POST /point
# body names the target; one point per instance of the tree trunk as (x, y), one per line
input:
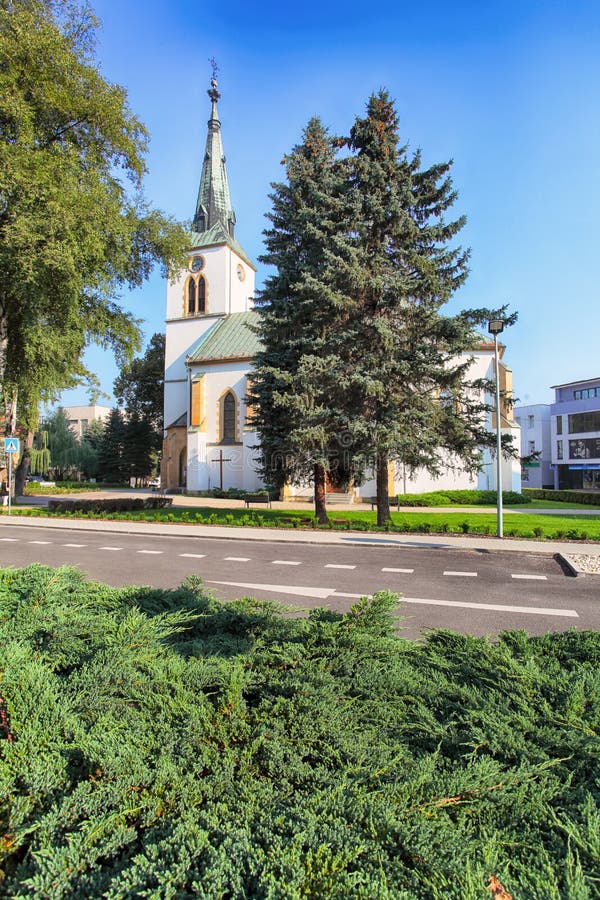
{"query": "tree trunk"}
(320, 496)
(383, 500)
(23, 468)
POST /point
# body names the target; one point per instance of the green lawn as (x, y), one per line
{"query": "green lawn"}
(516, 523)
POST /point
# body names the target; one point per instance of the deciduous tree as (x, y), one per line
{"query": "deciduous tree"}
(74, 226)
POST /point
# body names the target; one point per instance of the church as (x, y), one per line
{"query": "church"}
(210, 346)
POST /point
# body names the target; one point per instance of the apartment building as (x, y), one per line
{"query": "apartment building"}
(575, 435)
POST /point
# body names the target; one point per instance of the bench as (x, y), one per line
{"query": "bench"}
(257, 498)
(392, 500)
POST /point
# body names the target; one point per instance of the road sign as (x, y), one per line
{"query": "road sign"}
(11, 445)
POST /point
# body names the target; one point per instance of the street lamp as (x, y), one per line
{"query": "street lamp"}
(496, 327)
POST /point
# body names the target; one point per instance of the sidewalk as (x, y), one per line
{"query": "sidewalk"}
(306, 536)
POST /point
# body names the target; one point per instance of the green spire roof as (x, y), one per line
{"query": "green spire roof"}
(213, 206)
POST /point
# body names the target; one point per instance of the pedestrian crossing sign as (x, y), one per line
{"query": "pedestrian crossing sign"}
(11, 445)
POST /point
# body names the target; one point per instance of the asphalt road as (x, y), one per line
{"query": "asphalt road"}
(473, 591)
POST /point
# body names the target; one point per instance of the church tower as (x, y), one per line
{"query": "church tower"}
(209, 308)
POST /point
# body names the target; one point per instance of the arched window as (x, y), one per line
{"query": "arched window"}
(228, 419)
(201, 295)
(191, 298)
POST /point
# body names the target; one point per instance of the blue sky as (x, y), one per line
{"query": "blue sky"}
(509, 90)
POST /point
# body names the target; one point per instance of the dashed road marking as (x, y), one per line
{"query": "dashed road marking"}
(461, 574)
(12, 540)
(151, 552)
(531, 577)
(110, 548)
(194, 555)
(296, 590)
(403, 571)
(338, 566)
(236, 559)
(285, 562)
(39, 542)
(75, 545)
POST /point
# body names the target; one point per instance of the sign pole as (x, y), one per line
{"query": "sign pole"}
(10, 456)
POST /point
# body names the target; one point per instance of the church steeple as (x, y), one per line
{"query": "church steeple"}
(213, 206)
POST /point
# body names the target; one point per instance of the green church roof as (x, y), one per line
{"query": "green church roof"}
(214, 201)
(214, 219)
(230, 338)
(217, 235)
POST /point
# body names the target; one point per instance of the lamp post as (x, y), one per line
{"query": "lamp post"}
(496, 327)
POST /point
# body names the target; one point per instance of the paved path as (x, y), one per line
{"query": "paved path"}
(310, 536)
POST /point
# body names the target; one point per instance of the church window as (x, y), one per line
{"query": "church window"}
(191, 297)
(197, 403)
(201, 295)
(228, 430)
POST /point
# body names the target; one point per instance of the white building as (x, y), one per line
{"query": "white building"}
(79, 417)
(534, 421)
(209, 351)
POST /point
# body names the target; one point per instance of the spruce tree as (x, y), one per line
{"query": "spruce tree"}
(110, 453)
(410, 398)
(297, 386)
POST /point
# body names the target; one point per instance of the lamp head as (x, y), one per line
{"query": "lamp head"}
(496, 326)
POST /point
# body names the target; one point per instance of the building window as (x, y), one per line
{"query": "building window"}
(559, 424)
(587, 421)
(530, 421)
(228, 430)
(197, 402)
(586, 393)
(524, 474)
(532, 446)
(559, 449)
(201, 295)
(585, 448)
(190, 304)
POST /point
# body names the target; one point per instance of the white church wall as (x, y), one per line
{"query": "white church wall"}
(204, 448)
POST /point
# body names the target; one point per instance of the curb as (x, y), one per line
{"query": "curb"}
(571, 565)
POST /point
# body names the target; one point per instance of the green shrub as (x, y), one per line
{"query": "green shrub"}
(586, 497)
(159, 743)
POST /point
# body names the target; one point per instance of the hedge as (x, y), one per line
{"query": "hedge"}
(109, 504)
(585, 497)
(460, 498)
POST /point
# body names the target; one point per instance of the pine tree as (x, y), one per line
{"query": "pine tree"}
(297, 384)
(110, 454)
(410, 395)
(138, 453)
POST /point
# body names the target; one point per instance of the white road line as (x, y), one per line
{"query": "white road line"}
(12, 540)
(531, 577)
(403, 571)
(297, 590)
(337, 566)
(39, 542)
(236, 559)
(194, 555)
(462, 574)
(110, 548)
(74, 545)
(495, 607)
(151, 552)
(285, 562)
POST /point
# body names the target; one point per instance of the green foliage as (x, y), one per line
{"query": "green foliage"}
(460, 498)
(161, 744)
(74, 225)
(586, 497)
(140, 390)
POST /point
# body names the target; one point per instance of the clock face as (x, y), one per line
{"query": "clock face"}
(240, 272)
(196, 264)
